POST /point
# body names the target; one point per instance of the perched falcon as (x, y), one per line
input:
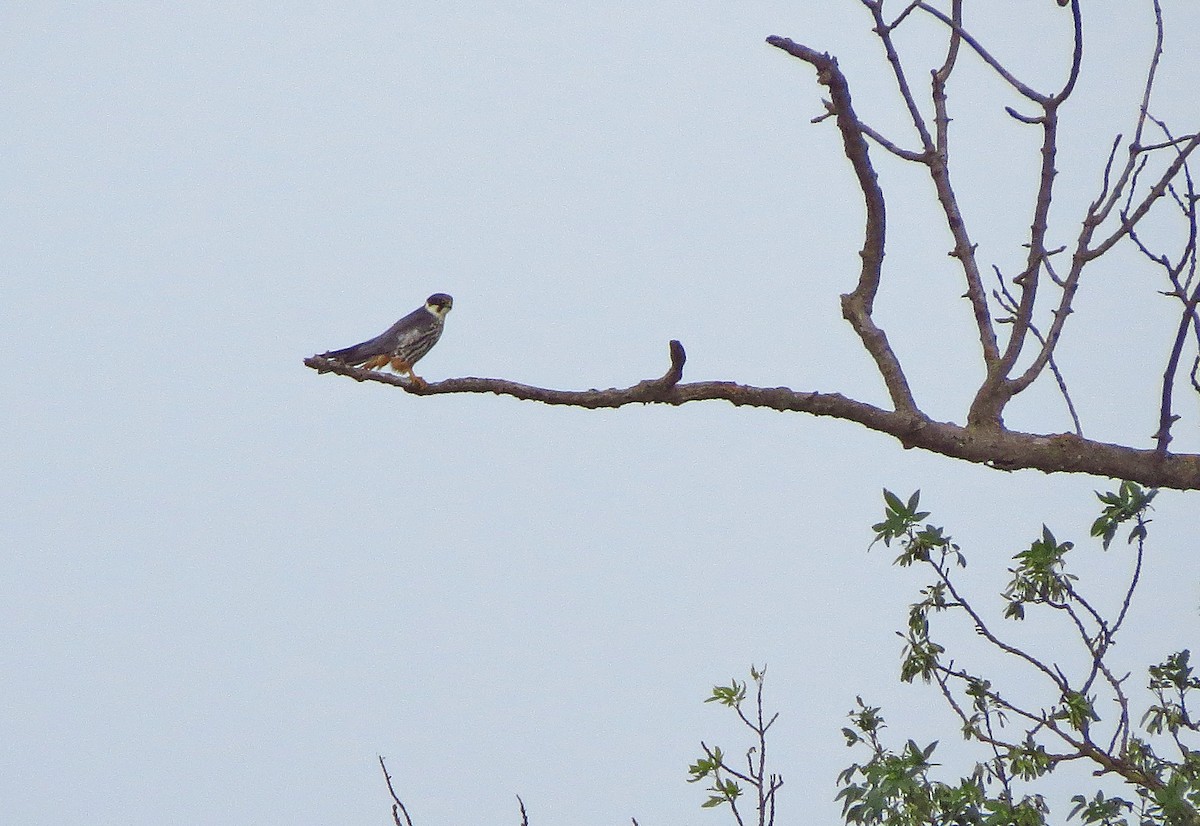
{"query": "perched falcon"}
(404, 343)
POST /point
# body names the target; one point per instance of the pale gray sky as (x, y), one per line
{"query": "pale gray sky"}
(230, 583)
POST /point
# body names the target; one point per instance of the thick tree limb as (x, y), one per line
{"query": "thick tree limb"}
(1003, 449)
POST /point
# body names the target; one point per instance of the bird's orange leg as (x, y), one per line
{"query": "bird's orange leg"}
(402, 366)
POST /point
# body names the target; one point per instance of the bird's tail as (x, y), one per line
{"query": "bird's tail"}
(354, 356)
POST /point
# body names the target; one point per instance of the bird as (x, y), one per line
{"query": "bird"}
(403, 344)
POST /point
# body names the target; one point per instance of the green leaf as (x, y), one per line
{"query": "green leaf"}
(701, 769)
(728, 695)
(1129, 502)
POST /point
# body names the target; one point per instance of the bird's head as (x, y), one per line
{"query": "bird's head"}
(439, 304)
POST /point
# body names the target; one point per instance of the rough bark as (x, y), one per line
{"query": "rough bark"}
(1002, 449)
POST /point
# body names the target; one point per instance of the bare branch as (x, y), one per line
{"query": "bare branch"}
(855, 145)
(1076, 55)
(1002, 449)
(858, 305)
(900, 17)
(397, 806)
(1167, 144)
(884, 32)
(983, 438)
(1107, 178)
(1155, 192)
(1151, 74)
(1028, 120)
(985, 55)
(1189, 321)
(1084, 254)
(997, 388)
(1102, 208)
(1048, 263)
(937, 159)
(890, 146)
(1009, 303)
(1062, 385)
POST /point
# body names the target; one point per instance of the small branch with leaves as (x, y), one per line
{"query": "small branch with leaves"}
(1028, 741)
(726, 788)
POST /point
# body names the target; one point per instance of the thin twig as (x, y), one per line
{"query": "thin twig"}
(1155, 192)
(1106, 179)
(745, 778)
(890, 146)
(997, 67)
(1009, 303)
(884, 32)
(982, 629)
(1167, 144)
(1098, 216)
(1076, 54)
(397, 806)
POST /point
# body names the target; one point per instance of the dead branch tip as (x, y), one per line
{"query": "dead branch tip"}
(678, 358)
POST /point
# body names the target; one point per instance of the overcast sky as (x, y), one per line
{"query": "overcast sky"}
(230, 583)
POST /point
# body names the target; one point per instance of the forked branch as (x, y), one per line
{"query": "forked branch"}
(1123, 202)
(858, 305)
